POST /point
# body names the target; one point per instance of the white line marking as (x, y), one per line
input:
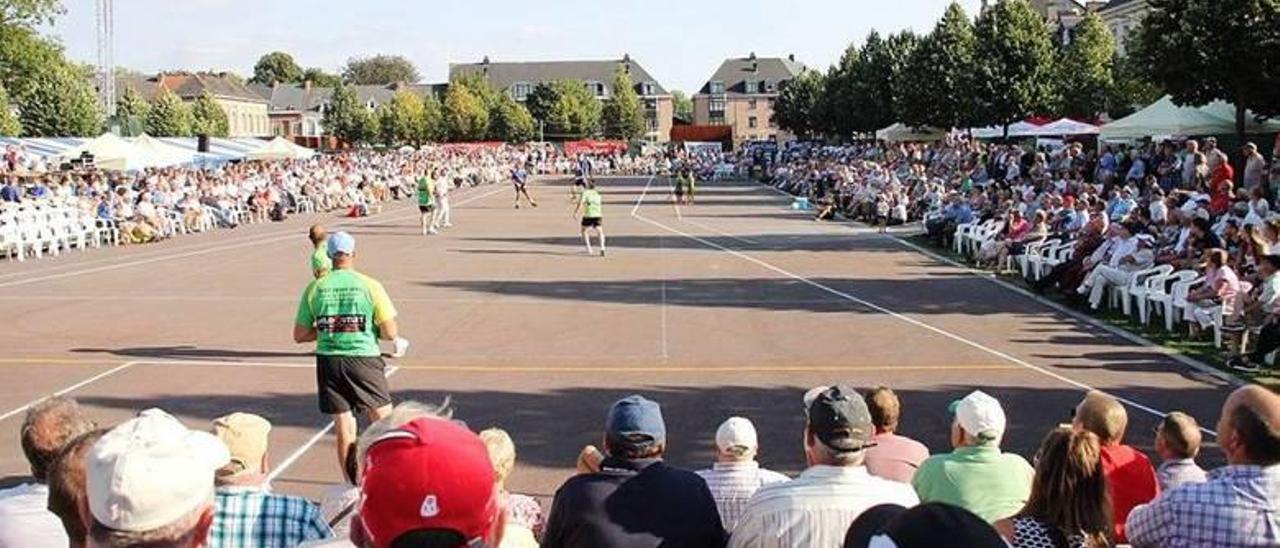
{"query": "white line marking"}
(747, 241)
(71, 388)
(314, 439)
(906, 319)
(643, 193)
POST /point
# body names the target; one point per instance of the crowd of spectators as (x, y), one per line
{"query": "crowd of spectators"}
(426, 480)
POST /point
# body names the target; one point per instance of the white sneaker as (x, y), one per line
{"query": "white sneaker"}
(433, 231)
(401, 346)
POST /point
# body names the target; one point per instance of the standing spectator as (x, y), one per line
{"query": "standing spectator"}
(1255, 167)
(1069, 507)
(1239, 506)
(736, 476)
(524, 521)
(891, 456)
(48, 426)
(246, 513)
(634, 499)
(67, 489)
(1178, 443)
(977, 476)
(817, 508)
(1131, 479)
(150, 483)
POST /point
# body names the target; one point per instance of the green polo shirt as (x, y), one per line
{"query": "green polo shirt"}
(982, 479)
(320, 261)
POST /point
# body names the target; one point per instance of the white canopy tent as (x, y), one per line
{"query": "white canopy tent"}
(1066, 126)
(1016, 129)
(161, 154)
(110, 152)
(900, 132)
(1165, 118)
(280, 149)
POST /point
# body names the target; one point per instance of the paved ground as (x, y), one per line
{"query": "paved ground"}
(733, 306)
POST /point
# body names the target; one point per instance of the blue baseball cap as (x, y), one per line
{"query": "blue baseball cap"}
(341, 242)
(637, 422)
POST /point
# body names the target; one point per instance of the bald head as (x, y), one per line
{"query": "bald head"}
(1249, 430)
(1103, 415)
(47, 428)
(317, 234)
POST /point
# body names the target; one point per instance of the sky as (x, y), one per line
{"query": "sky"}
(680, 43)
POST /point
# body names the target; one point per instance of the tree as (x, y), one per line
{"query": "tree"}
(566, 107)
(276, 67)
(836, 109)
(131, 112)
(797, 106)
(402, 120)
(1085, 69)
(169, 116)
(347, 118)
(28, 14)
(510, 121)
(465, 115)
(682, 104)
(1203, 51)
(873, 79)
(319, 78)
(622, 113)
(938, 87)
(208, 118)
(1131, 89)
(52, 97)
(433, 128)
(379, 70)
(9, 124)
(1015, 62)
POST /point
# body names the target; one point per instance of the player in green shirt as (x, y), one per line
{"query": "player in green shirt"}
(591, 208)
(427, 202)
(345, 313)
(320, 262)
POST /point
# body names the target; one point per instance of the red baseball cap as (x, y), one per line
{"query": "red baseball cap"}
(428, 474)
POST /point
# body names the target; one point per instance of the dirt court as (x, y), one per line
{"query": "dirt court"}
(732, 306)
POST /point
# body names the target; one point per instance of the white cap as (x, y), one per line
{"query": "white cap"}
(736, 432)
(150, 471)
(980, 415)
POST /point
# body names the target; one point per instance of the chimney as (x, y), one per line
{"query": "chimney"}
(485, 61)
(791, 57)
(752, 56)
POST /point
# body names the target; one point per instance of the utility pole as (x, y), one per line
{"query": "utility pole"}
(107, 58)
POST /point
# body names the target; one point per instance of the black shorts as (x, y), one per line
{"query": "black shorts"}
(351, 383)
(592, 222)
(426, 208)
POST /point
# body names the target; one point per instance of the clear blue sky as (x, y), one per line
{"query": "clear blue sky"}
(680, 43)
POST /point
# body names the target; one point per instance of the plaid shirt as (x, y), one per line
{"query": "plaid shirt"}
(1238, 506)
(253, 518)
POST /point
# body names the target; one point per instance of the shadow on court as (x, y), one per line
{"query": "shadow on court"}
(191, 353)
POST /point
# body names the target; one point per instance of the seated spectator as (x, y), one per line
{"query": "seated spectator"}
(246, 512)
(1260, 314)
(1069, 505)
(1131, 480)
(736, 476)
(67, 491)
(1220, 290)
(1240, 503)
(1130, 255)
(1178, 443)
(150, 483)
(24, 510)
(977, 476)
(634, 499)
(816, 508)
(925, 526)
(891, 456)
(524, 521)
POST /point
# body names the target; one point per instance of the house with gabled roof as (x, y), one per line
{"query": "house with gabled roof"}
(741, 94)
(246, 109)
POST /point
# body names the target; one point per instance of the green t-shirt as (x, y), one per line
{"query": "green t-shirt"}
(346, 308)
(591, 204)
(982, 480)
(426, 191)
(320, 260)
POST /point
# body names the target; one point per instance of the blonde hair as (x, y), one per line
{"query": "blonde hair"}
(1103, 415)
(502, 451)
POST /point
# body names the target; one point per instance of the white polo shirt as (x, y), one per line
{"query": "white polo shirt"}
(25, 521)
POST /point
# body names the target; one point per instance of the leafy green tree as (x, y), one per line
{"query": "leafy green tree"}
(1201, 51)
(433, 128)
(346, 118)
(1015, 63)
(169, 116)
(938, 87)
(319, 78)
(1085, 69)
(276, 67)
(511, 121)
(52, 97)
(208, 118)
(836, 109)
(874, 78)
(9, 124)
(379, 70)
(402, 120)
(1131, 88)
(682, 104)
(797, 107)
(28, 14)
(465, 115)
(131, 112)
(622, 113)
(566, 107)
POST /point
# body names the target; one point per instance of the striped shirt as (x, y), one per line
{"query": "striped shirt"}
(1238, 507)
(815, 509)
(254, 518)
(733, 483)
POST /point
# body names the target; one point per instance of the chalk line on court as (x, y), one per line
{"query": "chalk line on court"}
(71, 388)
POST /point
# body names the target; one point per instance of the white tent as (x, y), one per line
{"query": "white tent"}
(1165, 118)
(110, 152)
(1016, 129)
(160, 154)
(280, 149)
(901, 132)
(1066, 126)
(1225, 110)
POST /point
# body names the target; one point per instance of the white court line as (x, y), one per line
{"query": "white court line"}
(643, 193)
(292, 233)
(747, 241)
(71, 388)
(311, 442)
(904, 318)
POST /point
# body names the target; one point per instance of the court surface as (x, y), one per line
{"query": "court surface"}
(732, 306)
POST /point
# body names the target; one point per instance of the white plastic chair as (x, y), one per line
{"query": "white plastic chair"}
(1137, 286)
(1158, 294)
(1178, 301)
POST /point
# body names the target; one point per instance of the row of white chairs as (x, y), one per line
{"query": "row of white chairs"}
(37, 230)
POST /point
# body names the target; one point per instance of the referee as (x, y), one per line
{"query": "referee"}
(345, 313)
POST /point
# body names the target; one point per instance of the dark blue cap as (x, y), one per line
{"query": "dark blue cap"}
(636, 421)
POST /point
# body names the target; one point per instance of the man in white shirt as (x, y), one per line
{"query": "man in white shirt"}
(1133, 255)
(817, 508)
(25, 519)
(736, 475)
